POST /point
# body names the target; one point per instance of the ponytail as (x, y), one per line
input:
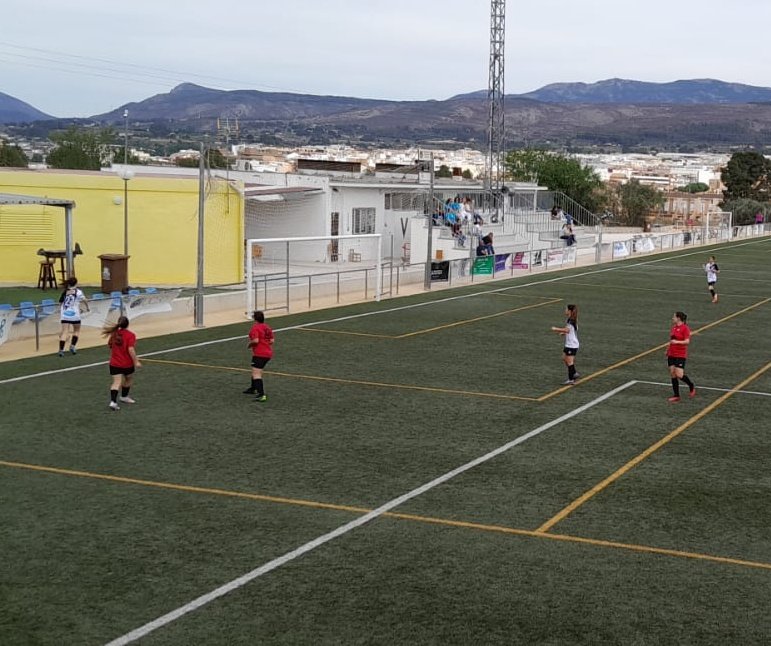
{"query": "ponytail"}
(111, 331)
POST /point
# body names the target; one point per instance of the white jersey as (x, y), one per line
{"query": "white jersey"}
(571, 338)
(70, 309)
(711, 269)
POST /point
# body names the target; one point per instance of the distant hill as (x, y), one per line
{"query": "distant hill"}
(622, 91)
(697, 91)
(13, 110)
(190, 101)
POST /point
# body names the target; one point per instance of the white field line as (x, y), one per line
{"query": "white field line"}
(377, 312)
(720, 390)
(347, 527)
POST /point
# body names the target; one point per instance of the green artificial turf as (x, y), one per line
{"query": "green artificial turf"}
(147, 508)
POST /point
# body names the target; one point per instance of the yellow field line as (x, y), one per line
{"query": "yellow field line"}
(376, 336)
(624, 362)
(478, 318)
(578, 539)
(564, 513)
(178, 487)
(399, 516)
(377, 384)
(550, 301)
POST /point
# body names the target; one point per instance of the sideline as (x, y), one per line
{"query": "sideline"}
(393, 309)
(347, 527)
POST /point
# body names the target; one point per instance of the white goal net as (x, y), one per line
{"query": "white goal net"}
(282, 271)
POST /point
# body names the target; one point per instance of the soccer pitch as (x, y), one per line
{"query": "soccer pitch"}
(419, 474)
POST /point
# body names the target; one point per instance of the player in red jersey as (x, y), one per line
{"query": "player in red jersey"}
(261, 343)
(123, 360)
(677, 353)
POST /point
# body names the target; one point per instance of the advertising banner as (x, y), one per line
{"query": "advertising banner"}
(440, 270)
(105, 310)
(483, 265)
(6, 320)
(500, 261)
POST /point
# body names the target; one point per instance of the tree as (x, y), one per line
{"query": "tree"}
(82, 149)
(467, 174)
(12, 156)
(694, 187)
(636, 201)
(558, 173)
(747, 175)
(119, 155)
(744, 210)
(444, 171)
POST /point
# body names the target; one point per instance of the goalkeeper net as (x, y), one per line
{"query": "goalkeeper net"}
(304, 270)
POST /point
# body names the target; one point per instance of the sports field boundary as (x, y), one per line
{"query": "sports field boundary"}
(565, 277)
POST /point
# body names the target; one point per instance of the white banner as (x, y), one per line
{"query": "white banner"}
(104, 311)
(554, 257)
(6, 320)
(620, 249)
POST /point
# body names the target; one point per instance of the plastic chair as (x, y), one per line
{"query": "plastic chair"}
(27, 310)
(134, 292)
(98, 296)
(151, 290)
(117, 300)
(6, 306)
(49, 306)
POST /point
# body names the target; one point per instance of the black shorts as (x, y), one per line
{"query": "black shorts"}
(115, 370)
(711, 283)
(677, 362)
(260, 362)
(70, 322)
(570, 352)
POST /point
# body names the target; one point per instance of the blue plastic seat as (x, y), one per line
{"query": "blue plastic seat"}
(98, 296)
(117, 300)
(27, 310)
(134, 292)
(49, 306)
(6, 306)
(150, 290)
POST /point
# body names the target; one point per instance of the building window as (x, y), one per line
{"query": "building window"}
(363, 221)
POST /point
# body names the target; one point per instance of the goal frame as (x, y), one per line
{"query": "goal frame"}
(250, 242)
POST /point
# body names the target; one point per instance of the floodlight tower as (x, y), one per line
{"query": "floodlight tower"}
(496, 135)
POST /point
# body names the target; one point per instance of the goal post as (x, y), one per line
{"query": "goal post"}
(290, 260)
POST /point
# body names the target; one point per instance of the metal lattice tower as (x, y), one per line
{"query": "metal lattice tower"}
(496, 134)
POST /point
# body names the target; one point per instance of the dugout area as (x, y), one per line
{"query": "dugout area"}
(117, 518)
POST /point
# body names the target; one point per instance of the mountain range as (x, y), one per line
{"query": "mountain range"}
(13, 110)
(614, 111)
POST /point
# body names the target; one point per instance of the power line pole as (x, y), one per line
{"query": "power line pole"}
(198, 298)
(496, 135)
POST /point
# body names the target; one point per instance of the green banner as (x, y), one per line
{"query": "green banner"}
(483, 265)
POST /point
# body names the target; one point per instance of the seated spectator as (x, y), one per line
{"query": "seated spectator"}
(482, 248)
(478, 219)
(567, 234)
(555, 212)
(488, 242)
(569, 219)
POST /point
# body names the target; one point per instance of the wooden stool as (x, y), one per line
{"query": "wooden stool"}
(46, 276)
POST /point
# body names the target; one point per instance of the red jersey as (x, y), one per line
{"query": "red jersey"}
(264, 337)
(679, 332)
(119, 349)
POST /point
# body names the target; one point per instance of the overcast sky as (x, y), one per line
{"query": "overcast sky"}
(85, 57)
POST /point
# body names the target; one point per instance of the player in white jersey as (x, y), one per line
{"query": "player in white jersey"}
(71, 300)
(712, 270)
(570, 350)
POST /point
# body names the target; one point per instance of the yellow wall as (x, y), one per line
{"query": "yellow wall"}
(162, 234)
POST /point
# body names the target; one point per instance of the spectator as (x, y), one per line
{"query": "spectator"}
(555, 212)
(567, 234)
(488, 242)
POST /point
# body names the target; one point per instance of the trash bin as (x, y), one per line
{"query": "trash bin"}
(114, 272)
